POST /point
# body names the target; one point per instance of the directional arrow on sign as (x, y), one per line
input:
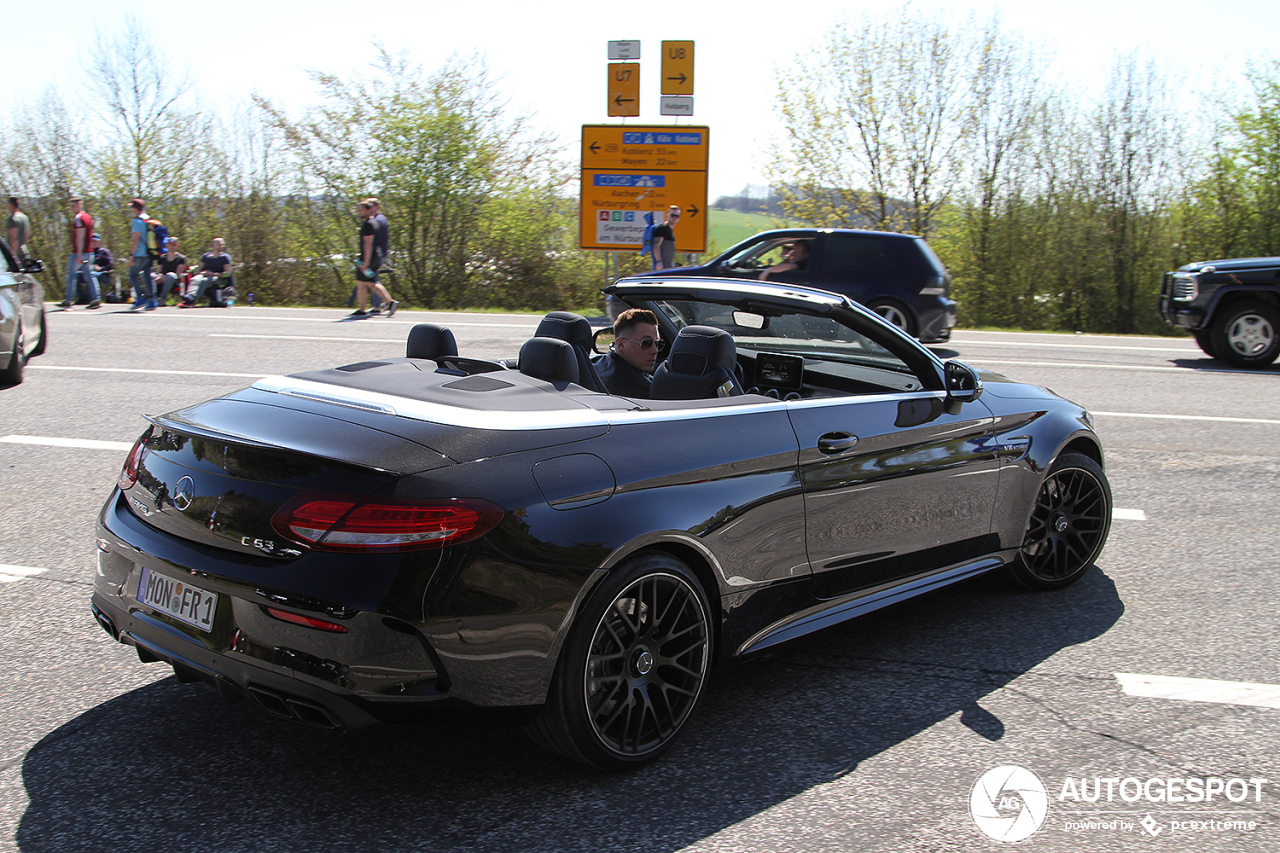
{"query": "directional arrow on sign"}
(679, 79)
(693, 211)
(594, 147)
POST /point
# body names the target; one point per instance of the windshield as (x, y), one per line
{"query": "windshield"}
(816, 339)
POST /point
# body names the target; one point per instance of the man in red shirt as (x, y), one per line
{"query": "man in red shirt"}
(81, 259)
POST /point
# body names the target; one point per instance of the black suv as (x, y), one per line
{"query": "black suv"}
(896, 275)
(1232, 307)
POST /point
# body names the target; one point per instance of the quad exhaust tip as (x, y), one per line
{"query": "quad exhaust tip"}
(295, 708)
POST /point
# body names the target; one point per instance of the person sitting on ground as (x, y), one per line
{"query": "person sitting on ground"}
(627, 369)
(795, 256)
(214, 272)
(103, 266)
(173, 266)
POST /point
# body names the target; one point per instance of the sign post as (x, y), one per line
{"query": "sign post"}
(628, 171)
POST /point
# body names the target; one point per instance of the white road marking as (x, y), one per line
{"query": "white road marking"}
(82, 443)
(1039, 344)
(310, 338)
(13, 574)
(1200, 690)
(1128, 514)
(409, 320)
(1216, 418)
(149, 371)
(1137, 367)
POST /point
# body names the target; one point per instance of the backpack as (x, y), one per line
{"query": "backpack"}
(157, 234)
(646, 244)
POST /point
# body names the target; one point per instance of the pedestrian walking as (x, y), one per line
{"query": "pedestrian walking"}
(18, 228)
(664, 240)
(374, 244)
(81, 260)
(144, 293)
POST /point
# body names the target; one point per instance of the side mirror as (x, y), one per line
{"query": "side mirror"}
(963, 385)
(602, 340)
(31, 265)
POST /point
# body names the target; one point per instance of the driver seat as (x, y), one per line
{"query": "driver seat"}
(701, 365)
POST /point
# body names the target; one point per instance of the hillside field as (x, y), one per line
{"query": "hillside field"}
(726, 227)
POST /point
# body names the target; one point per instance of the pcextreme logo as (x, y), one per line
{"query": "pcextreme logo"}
(1011, 803)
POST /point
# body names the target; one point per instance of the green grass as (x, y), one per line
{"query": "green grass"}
(726, 227)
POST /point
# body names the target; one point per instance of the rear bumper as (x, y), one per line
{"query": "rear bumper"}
(394, 663)
(936, 323)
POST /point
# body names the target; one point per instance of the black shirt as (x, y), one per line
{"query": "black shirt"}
(621, 379)
(378, 230)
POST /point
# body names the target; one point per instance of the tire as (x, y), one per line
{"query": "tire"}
(633, 668)
(895, 313)
(1068, 527)
(11, 374)
(1246, 334)
(1205, 341)
(44, 337)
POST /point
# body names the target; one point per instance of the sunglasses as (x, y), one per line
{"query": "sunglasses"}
(644, 343)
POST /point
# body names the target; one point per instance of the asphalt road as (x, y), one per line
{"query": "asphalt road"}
(866, 737)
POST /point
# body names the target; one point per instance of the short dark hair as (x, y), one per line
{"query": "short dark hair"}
(13, 200)
(633, 317)
(137, 204)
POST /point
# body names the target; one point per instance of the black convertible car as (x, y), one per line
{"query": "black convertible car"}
(379, 540)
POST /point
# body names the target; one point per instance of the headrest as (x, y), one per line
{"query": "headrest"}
(427, 340)
(699, 350)
(566, 326)
(549, 358)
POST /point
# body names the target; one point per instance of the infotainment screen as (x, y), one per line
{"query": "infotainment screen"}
(780, 371)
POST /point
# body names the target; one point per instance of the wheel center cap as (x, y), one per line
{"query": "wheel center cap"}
(642, 662)
(1060, 523)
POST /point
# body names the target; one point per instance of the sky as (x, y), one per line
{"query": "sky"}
(551, 58)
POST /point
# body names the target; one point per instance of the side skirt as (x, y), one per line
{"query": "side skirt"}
(847, 607)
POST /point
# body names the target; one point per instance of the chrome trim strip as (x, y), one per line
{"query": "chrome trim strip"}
(338, 401)
(496, 419)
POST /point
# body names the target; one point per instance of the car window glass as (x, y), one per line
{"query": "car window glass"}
(759, 255)
(10, 262)
(855, 253)
(817, 339)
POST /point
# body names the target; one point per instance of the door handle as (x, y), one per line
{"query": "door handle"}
(836, 442)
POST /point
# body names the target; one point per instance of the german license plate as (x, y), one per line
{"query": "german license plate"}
(179, 599)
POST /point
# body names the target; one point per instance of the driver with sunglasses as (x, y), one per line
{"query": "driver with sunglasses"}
(627, 369)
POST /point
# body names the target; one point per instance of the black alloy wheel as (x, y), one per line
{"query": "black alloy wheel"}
(1246, 334)
(11, 373)
(633, 669)
(1069, 524)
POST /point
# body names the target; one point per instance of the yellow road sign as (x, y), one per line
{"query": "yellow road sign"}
(628, 171)
(677, 68)
(624, 88)
(614, 203)
(642, 147)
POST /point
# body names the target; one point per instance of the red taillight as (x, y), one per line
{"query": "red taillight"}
(129, 473)
(307, 621)
(333, 523)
